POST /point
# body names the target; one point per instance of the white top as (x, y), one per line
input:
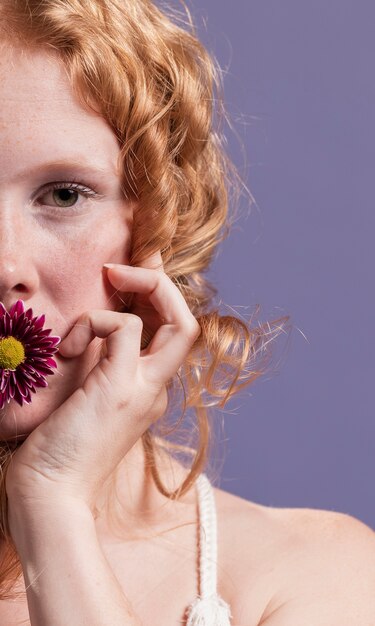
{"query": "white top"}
(208, 609)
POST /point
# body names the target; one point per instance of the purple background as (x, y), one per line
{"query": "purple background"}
(300, 92)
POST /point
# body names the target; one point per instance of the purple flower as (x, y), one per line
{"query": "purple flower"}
(25, 353)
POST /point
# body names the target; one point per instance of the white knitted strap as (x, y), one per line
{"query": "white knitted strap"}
(208, 609)
(207, 537)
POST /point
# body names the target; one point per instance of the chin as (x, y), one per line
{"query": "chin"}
(17, 422)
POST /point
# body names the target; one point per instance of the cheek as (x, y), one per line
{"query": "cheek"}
(77, 281)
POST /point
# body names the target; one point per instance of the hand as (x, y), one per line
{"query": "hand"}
(77, 447)
(139, 303)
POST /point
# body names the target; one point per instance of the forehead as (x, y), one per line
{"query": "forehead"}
(35, 77)
(39, 108)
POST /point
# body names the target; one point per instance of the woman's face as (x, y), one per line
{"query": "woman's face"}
(53, 243)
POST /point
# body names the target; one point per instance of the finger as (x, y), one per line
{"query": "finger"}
(122, 332)
(174, 338)
(154, 261)
(162, 293)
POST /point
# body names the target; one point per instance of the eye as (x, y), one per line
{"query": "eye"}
(64, 195)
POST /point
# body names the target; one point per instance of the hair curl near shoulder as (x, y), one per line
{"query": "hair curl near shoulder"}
(160, 90)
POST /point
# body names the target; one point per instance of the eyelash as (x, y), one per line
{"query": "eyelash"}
(74, 186)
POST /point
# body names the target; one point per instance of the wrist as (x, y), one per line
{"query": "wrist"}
(34, 520)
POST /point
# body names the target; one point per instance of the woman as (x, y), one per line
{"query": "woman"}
(113, 192)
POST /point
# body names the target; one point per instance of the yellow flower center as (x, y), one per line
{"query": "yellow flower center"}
(12, 353)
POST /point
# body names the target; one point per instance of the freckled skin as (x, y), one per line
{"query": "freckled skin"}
(53, 262)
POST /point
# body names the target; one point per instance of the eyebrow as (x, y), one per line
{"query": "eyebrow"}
(73, 163)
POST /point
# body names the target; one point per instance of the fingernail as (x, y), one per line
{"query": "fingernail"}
(118, 266)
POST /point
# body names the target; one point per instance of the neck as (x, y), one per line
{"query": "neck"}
(130, 504)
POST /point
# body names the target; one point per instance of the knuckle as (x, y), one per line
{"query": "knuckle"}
(134, 322)
(193, 329)
(93, 315)
(158, 279)
(122, 404)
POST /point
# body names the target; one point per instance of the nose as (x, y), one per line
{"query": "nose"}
(18, 274)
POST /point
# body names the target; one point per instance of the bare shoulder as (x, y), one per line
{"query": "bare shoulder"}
(294, 565)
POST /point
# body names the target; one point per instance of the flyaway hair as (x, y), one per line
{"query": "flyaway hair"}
(145, 71)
